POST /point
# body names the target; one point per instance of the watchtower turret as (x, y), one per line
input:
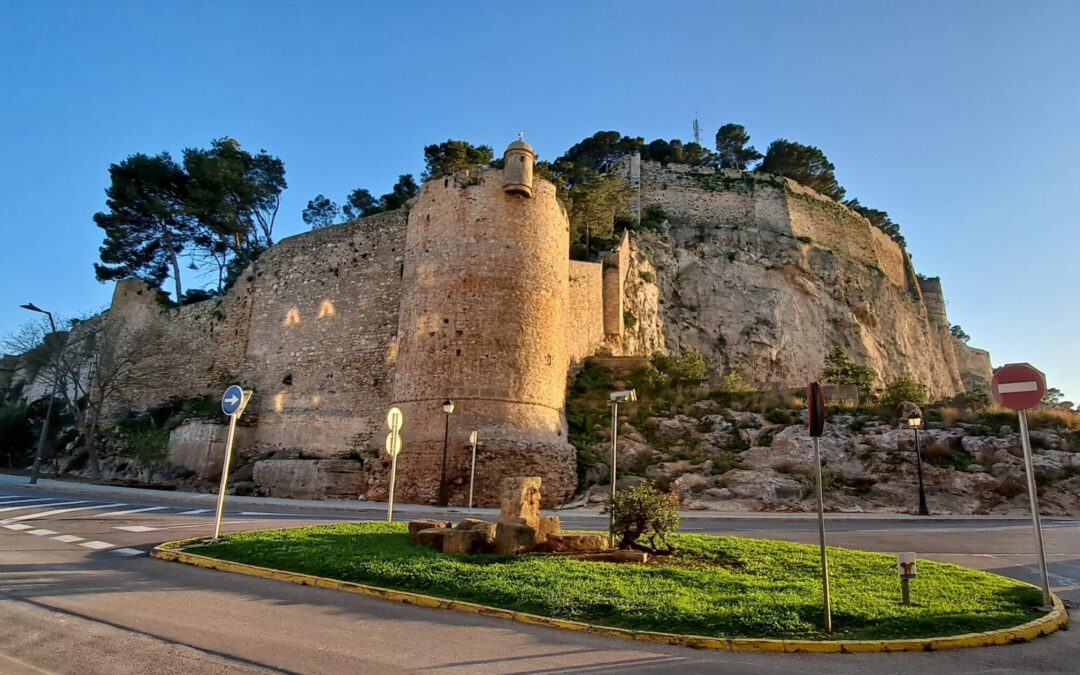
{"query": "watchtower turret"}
(518, 161)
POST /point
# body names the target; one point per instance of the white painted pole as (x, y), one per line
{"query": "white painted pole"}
(821, 532)
(1033, 497)
(614, 456)
(225, 473)
(393, 477)
(472, 471)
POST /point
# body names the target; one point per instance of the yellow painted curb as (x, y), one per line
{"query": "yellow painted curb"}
(1044, 625)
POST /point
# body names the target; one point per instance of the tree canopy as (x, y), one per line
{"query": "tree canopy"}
(838, 368)
(147, 225)
(218, 207)
(320, 212)
(733, 149)
(879, 219)
(451, 156)
(959, 333)
(804, 164)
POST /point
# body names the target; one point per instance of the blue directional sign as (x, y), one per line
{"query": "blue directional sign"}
(231, 399)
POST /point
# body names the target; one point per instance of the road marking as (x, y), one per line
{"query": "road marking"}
(1017, 387)
(68, 538)
(136, 528)
(194, 513)
(18, 527)
(124, 513)
(96, 545)
(34, 506)
(23, 500)
(34, 516)
(128, 551)
(41, 532)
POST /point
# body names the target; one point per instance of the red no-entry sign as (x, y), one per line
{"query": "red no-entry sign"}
(1018, 386)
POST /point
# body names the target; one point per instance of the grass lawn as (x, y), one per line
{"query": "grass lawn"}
(714, 586)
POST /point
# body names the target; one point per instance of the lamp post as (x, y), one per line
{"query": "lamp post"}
(448, 408)
(40, 452)
(628, 396)
(914, 418)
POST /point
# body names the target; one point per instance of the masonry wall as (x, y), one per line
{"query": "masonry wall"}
(188, 351)
(483, 322)
(585, 323)
(321, 348)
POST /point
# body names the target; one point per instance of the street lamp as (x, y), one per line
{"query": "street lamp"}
(617, 397)
(448, 408)
(914, 418)
(40, 452)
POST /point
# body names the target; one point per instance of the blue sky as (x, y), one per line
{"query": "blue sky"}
(958, 118)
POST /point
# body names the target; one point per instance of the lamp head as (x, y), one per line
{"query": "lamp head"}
(626, 396)
(33, 308)
(448, 406)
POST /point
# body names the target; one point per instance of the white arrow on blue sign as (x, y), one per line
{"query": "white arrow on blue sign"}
(231, 399)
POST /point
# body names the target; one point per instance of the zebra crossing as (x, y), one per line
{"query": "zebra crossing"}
(17, 513)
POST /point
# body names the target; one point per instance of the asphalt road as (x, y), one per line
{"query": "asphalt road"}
(78, 594)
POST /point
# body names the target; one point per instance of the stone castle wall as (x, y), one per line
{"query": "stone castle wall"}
(483, 322)
(761, 274)
(585, 322)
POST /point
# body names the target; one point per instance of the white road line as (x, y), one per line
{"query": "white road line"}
(124, 513)
(68, 538)
(128, 551)
(46, 514)
(96, 545)
(6, 501)
(18, 527)
(136, 528)
(41, 532)
(34, 506)
(194, 513)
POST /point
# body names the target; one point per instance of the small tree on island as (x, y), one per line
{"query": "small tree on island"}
(904, 388)
(840, 369)
(644, 518)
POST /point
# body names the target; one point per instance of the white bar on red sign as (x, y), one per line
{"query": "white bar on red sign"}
(1017, 387)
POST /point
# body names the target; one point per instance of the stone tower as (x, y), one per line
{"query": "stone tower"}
(518, 161)
(483, 322)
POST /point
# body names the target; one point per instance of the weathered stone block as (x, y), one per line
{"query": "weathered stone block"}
(560, 543)
(549, 525)
(488, 530)
(310, 478)
(433, 538)
(468, 524)
(464, 541)
(200, 446)
(520, 498)
(514, 539)
(416, 526)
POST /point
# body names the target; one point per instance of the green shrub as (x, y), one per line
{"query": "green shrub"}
(734, 382)
(904, 388)
(647, 276)
(778, 416)
(644, 514)
(16, 435)
(653, 217)
(629, 319)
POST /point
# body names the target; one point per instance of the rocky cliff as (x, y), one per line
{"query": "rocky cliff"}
(761, 274)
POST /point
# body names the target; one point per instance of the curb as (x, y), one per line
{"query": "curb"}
(1055, 619)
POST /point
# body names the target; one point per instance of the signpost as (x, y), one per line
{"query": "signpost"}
(472, 471)
(233, 402)
(394, 420)
(905, 567)
(1020, 386)
(816, 419)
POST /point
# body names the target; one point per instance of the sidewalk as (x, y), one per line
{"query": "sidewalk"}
(359, 506)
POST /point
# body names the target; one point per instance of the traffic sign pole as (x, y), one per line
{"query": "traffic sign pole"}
(1020, 386)
(472, 471)
(815, 403)
(1033, 497)
(393, 477)
(233, 402)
